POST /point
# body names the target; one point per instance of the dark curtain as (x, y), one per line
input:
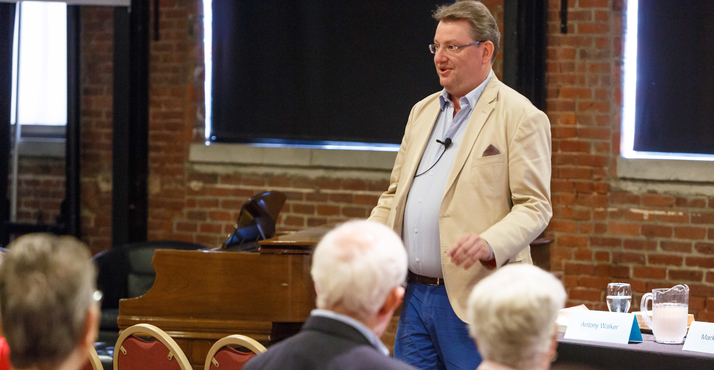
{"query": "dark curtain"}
(319, 70)
(7, 24)
(675, 77)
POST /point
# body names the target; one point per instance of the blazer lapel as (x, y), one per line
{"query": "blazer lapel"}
(425, 127)
(482, 111)
(422, 131)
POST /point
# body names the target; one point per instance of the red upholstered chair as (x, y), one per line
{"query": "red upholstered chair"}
(4, 354)
(224, 354)
(93, 361)
(134, 351)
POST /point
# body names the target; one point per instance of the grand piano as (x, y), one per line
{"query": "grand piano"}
(201, 296)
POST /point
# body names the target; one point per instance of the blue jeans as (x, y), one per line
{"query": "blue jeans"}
(430, 335)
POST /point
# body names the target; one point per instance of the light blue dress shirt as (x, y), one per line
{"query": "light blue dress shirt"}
(420, 231)
(367, 332)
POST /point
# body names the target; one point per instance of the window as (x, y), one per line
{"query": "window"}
(668, 80)
(316, 71)
(42, 69)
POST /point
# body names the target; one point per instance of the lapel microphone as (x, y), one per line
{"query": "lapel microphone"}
(446, 143)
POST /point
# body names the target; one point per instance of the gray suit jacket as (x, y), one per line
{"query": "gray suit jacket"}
(324, 343)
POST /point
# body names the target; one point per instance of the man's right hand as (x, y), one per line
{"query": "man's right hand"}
(469, 249)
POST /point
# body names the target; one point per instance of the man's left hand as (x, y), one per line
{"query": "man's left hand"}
(469, 249)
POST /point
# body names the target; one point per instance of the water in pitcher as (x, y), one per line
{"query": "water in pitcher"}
(670, 322)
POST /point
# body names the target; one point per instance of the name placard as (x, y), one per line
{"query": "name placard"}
(700, 337)
(603, 326)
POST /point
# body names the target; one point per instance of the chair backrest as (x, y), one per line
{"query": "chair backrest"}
(4, 355)
(223, 353)
(133, 352)
(93, 361)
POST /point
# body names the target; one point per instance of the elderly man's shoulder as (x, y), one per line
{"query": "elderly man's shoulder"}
(355, 359)
(311, 351)
(365, 357)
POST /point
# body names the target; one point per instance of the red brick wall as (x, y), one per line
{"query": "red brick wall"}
(603, 233)
(213, 202)
(40, 189)
(96, 125)
(600, 233)
(583, 83)
(172, 114)
(193, 205)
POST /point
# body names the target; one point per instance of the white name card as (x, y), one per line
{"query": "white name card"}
(700, 337)
(603, 326)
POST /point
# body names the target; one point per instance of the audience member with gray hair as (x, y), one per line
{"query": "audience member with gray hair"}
(358, 269)
(512, 315)
(49, 314)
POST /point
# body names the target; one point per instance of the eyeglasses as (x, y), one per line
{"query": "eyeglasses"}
(450, 49)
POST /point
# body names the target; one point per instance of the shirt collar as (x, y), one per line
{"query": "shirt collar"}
(364, 330)
(472, 97)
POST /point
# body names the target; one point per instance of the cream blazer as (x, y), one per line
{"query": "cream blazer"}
(505, 198)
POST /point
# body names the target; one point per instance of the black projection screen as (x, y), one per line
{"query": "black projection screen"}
(317, 70)
(675, 77)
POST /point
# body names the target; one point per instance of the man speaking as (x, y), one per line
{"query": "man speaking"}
(470, 188)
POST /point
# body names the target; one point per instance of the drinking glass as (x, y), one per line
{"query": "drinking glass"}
(619, 297)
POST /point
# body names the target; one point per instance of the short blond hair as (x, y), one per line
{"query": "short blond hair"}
(483, 24)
